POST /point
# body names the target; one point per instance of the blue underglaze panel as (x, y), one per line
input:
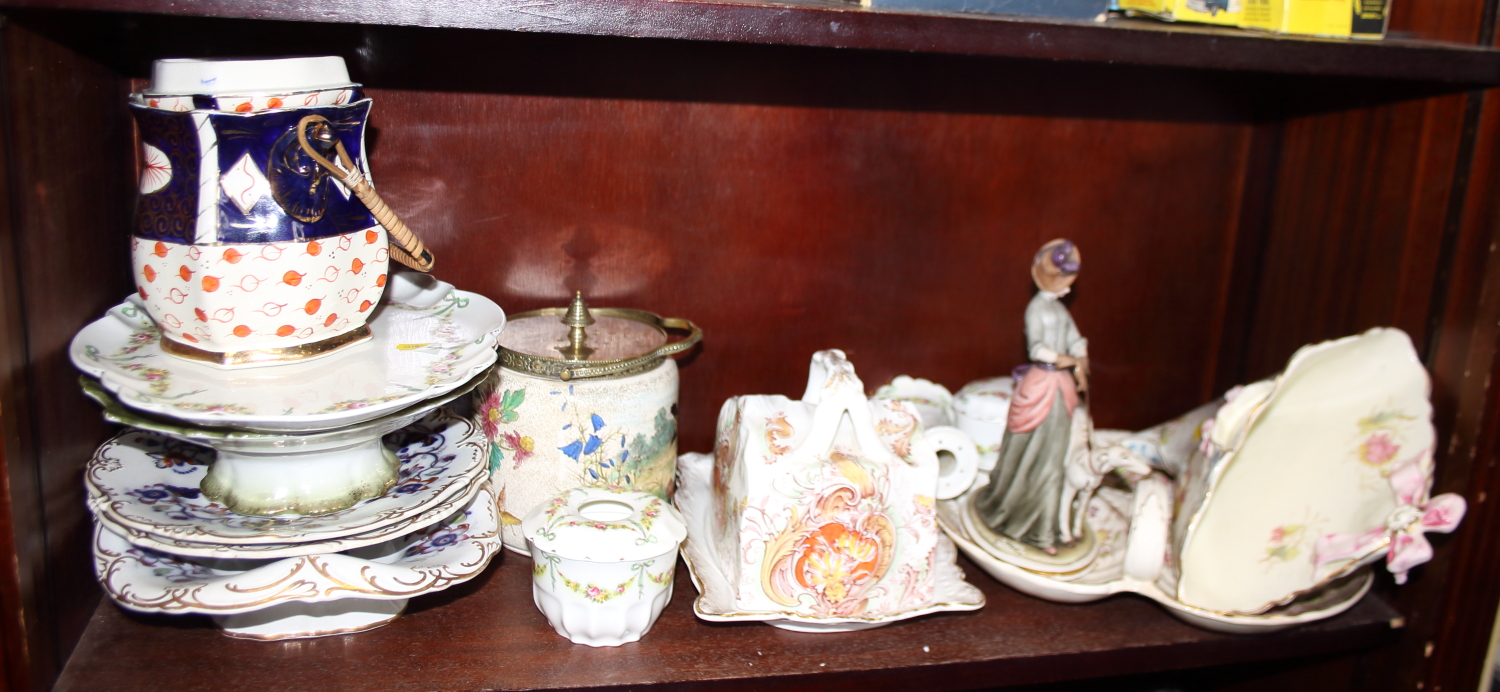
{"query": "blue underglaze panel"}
(286, 197)
(268, 137)
(169, 213)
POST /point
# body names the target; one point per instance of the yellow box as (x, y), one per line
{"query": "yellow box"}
(1332, 18)
(1222, 12)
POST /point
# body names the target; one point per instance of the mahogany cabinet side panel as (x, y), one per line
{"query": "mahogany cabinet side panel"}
(20, 512)
(69, 166)
(1452, 610)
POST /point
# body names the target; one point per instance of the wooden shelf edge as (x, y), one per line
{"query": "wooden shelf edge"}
(838, 24)
(487, 635)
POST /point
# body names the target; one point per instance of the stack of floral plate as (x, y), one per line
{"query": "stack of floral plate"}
(299, 499)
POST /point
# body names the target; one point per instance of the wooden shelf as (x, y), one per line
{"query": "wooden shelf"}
(837, 24)
(487, 635)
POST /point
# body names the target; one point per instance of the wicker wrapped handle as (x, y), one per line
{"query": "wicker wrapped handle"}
(406, 247)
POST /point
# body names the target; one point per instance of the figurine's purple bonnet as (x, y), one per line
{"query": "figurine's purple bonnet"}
(1063, 258)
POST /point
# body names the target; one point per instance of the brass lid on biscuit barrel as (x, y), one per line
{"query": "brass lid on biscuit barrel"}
(579, 342)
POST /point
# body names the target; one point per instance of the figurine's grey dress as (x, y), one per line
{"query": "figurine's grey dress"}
(1021, 500)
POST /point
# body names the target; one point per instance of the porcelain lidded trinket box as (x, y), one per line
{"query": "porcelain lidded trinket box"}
(258, 238)
(602, 562)
(819, 515)
(584, 397)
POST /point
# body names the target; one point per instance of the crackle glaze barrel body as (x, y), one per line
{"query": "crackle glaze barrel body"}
(547, 436)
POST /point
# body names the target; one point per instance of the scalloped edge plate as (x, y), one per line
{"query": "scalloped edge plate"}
(118, 456)
(409, 358)
(150, 582)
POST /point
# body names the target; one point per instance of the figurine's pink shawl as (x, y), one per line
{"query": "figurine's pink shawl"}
(1033, 398)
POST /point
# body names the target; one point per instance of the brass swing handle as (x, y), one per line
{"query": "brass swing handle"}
(406, 247)
(694, 336)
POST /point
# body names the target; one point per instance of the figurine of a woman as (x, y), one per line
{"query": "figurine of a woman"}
(1021, 500)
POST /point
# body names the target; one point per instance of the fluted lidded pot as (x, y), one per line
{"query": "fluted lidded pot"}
(602, 562)
(245, 250)
(583, 397)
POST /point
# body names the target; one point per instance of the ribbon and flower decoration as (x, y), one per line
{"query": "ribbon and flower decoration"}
(1415, 515)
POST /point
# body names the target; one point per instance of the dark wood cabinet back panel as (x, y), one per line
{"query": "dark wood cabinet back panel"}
(903, 238)
(1357, 220)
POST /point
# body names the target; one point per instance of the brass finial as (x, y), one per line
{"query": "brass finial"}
(577, 318)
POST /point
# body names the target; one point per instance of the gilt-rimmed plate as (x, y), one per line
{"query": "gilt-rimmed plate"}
(716, 596)
(149, 482)
(434, 559)
(427, 339)
(270, 551)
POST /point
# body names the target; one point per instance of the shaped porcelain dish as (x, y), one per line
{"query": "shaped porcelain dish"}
(429, 339)
(449, 553)
(716, 600)
(149, 482)
(1305, 464)
(1282, 494)
(1109, 512)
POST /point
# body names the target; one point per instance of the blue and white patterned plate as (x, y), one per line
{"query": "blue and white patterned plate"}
(433, 559)
(148, 482)
(271, 551)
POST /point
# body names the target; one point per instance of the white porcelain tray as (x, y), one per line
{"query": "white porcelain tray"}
(449, 553)
(716, 601)
(427, 340)
(149, 482)
(1109, 574)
